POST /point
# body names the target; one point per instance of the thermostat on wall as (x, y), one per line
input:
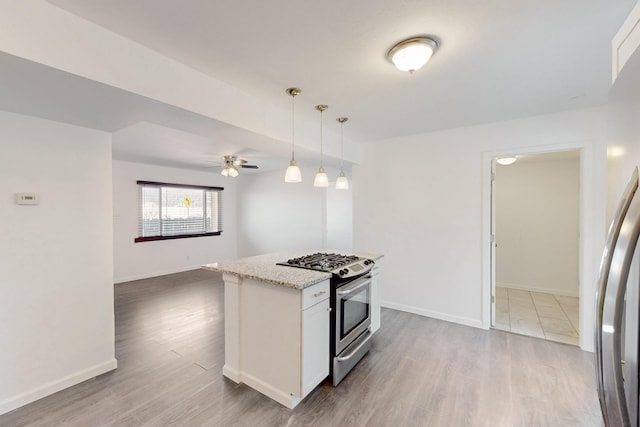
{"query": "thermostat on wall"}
(27, 198)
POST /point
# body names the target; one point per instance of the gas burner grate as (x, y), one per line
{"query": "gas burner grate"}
(321, 261)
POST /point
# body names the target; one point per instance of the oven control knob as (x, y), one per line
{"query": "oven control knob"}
(343, 271)
(367, 262)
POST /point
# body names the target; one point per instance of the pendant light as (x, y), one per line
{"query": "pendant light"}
(342, 183)
(293, 173)
(322, 180)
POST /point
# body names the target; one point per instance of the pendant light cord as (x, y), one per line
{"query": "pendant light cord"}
(293, 97)
(341, 148)
(321, 111)
(341, 120)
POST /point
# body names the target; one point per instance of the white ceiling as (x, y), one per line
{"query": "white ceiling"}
(497, 59)
(144, 130)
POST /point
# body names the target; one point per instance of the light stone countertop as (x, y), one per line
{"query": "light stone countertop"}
(264, 269)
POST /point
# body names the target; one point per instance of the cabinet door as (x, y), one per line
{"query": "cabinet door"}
(315, 345)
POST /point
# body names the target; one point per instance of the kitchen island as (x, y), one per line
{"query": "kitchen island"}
(277, 324)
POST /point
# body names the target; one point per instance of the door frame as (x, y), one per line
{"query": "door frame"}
(492, 238)
(591, 227)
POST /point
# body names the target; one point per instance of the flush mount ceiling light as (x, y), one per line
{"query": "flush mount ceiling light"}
(411, 54)
(293, 173)
(505, 161)
(322, 180)
(342, 183)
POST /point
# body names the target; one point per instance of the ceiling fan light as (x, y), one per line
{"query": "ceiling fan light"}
(293, 173)
(342, 183)
(411, 54)
(505, 161)
(321, 180)
(225, 171)
(233, 172)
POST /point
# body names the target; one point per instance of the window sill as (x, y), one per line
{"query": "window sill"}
(177, 236)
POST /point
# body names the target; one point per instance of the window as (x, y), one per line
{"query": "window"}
(175, 211)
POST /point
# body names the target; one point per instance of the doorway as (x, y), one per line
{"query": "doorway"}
(535, 227)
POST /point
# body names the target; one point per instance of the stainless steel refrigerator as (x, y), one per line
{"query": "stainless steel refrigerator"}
(617, 317)
(616, 310)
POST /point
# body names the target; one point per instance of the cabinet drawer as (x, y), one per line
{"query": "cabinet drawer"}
(314, 294)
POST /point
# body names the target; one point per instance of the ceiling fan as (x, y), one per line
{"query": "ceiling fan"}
(231, 165)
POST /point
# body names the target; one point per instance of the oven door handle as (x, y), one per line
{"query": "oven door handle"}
(355, 288)
(355, 350)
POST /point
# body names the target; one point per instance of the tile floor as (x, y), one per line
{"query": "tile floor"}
(537, 314)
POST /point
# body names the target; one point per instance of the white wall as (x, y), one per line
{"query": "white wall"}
(339, 221)
(429, 219)
(274, 216)
(56, 308)
(537, 210)
(148, 259)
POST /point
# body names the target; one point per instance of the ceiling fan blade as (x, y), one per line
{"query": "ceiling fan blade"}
(248, 166)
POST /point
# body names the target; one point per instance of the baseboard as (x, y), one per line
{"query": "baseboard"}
(232, 374)
(155, 274)
(55, 386)
(475, 323)
(543, 290)
(285, 399)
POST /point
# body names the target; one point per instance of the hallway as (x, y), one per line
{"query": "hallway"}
(537, 314)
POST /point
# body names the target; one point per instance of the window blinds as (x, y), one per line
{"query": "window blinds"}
(169, 211)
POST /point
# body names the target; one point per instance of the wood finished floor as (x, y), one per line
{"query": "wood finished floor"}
(420, 372)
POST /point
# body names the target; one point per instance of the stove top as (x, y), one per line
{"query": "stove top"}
(342, 266)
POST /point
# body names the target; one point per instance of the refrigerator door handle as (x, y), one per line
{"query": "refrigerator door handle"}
(616, 411)
(605, 264)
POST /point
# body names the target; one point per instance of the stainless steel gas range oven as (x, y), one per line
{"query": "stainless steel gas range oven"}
(350, 307)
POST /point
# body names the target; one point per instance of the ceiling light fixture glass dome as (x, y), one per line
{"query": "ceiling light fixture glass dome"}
(229, 170)
(342, 183)
(505, 161)
(411, 54)
(321, 180)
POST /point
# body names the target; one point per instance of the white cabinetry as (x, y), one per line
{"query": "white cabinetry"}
(315, 345)
(375, 299)
(276, 338)
(625, 42)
